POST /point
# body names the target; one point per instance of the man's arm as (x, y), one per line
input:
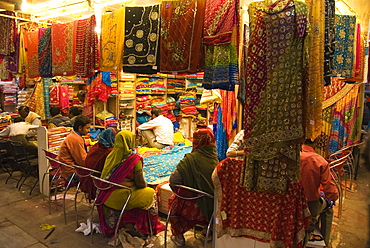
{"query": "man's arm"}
(327, 183)
(5, 132)
(37, 122)
(148, 125)
(78, 153)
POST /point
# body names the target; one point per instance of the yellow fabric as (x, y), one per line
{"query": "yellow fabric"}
(22, 61)
(112, 40)
(122, 148)
(315, 68)
(142, 150)
(31, 117)
(178, 138)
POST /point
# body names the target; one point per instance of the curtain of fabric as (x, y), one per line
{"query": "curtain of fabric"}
(7, 34)
(63, 49)
(44, 52)
(31, 45)
(142, 30)
(181, 36)
(46, 88)
(329, 40)
(112, 40)
(87, 57)
(344, 45)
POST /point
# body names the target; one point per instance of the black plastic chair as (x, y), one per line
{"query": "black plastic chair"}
(197, 194)
(7, 162)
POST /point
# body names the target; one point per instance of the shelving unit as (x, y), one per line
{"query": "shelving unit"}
(8, 96)
(126, 103)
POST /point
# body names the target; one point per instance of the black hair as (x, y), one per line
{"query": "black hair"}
(55, 110)
(18, 119)
(309, 142)
(81, 121)
(156, 111)
(75, 111)
(25, 108)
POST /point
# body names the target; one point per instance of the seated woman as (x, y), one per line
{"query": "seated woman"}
(194, 170)
(95, 159)
(125, 168)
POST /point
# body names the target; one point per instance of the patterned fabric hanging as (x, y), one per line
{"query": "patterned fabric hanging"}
(46, 89)
(181, 36)
(87, 58)
(344, 45)
(273, 123)
(141, 53)
(329, 40)
(31, 46)
(220, 18)
(112, 40)
(7, 34)
(63, 49)
(315, 69)
(44, 51)
(36, 101)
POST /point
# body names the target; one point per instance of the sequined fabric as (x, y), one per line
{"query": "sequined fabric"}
(112, 40)
(181, 36)
(273, 121)
(87, 58)
(31, 45)
(220, 18)
(141, 39)
(344, 45)
(279, 220)
(63, 49)
(44, 50)
(7, 34)
(329, 40)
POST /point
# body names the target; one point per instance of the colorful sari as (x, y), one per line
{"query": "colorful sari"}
(141, 54)
(63, 49)
(7, 34)
(344, 45)
(31, 46)
(122, 164)
(112, 40)
(329, 40)
(87, 57)
(44, 50)
(195, 169)
(274, 117)
(181, 36)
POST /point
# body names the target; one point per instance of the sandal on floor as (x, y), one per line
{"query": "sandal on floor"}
(178, 240)
(315, 237)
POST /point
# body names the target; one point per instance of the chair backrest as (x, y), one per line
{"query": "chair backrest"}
(339, 162)
(84, 171)
(57, 163)
(19, 151)
(6, 147)
(182, 191)
(50, 155)
(102, 184)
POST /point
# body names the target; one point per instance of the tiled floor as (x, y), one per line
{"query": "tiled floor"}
(21, 216)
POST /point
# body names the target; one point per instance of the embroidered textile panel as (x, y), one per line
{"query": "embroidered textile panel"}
(141, 53)
(7, 34)
(112, 40)
(63, 49)
(181, 36)
(344, 45)
(329, 40)
(31, 45)
(44, 50)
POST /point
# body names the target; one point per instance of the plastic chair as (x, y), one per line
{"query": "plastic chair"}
(197, 195)
(82, 172)
(67, 184)
(102, 185)
(27, 163)
(6, 154)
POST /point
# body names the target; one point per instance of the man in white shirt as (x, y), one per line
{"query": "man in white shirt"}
(236, 149)
(159, 131)
(17, 132)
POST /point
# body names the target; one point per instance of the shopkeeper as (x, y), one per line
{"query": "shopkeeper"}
(157, 132)
(29, 117)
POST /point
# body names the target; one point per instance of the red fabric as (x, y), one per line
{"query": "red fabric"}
(32, 46)
(273, 218)
(203, 137)
(187, 214)
(332, 89)
(315, 172)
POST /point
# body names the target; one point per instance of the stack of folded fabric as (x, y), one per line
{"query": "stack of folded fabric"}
(187, 105)
(126, 90)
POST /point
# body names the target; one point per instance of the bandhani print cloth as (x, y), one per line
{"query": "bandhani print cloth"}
(280, 220)
(344, 45)
(44, 50)
(87, 57)
(63, 49)
(7, 34)
(181, 36)
(142, 39)
(31, 45)
(274, 94)
(112, 40)
(220, 18)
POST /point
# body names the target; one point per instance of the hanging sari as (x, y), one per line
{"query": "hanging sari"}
(219, 20)
(44, 52)
(46, 88)
(329, 40)
(87, 57)
(7, 34)
(344, 45)
(181, 36)
(141, 53)
(63, 49)
(22, 59)
(273, 123)
(31, 46)
(112, 40)
(315, 69)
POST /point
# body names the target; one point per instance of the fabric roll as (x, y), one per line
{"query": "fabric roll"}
(181, 36)
(112, 40)
(141, 48)
(63, 49)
